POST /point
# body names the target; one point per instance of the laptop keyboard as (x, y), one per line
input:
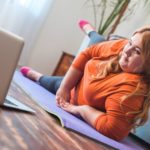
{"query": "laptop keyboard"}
(15, 104)
(9, 102)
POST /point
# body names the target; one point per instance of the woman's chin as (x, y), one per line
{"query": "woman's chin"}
(123, 66)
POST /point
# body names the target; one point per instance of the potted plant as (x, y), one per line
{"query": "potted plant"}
(109, 13)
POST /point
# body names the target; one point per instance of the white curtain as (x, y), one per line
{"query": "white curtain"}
(24, 18)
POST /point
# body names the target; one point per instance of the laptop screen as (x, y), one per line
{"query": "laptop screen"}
(10, 49)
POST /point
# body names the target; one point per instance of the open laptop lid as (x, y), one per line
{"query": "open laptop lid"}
(10, 49)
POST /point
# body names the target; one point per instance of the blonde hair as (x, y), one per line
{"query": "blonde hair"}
(113, 66)
(142, 115)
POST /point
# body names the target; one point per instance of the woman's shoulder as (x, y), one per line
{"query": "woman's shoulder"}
(110, 48)
(113, 42)
(117, 44)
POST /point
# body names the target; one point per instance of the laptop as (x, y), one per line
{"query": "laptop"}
(11, 46)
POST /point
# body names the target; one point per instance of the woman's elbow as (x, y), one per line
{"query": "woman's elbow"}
(107, 127)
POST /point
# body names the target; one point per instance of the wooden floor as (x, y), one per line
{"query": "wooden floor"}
(40, 131)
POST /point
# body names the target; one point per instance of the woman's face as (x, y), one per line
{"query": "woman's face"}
(131, 59)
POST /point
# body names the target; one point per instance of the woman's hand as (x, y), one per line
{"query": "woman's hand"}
(62, 95)
(88, 113)
(71, 108)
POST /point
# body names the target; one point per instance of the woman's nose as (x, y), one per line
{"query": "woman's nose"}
(128, 51)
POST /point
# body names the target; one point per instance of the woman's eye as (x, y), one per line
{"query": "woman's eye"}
(137, 51)
(130, 43)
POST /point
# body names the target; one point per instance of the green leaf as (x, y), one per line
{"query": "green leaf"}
(119, 5)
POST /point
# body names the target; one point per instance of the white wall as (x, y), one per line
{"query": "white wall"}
(61, 32)
(139, 18)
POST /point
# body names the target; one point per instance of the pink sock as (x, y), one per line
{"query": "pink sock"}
(86, 26)
(24, 70)
(82, 23)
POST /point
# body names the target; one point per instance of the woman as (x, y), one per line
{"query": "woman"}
(108, 85)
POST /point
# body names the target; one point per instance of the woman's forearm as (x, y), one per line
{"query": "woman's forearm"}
(89, 114)
(71, 78)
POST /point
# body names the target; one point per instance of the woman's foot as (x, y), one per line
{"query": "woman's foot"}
(30, 73)
(86, 26)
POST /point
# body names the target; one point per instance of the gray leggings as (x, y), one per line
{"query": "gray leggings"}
(51, 83)
(95, 38)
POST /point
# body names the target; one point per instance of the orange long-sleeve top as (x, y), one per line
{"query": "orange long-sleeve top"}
(106, 94)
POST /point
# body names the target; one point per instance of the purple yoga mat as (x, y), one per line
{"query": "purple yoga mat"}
(47, 101)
